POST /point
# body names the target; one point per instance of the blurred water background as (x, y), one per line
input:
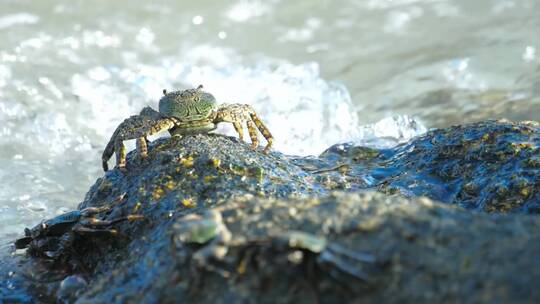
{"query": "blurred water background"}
(376, 72)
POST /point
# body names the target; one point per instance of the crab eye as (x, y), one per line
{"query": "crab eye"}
(43, 226)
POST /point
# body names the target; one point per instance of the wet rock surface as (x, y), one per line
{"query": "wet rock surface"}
(491, 166)
(422, 251)
(223, 223)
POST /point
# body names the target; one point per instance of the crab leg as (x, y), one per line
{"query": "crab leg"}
(240, 113)
(23, 242)
(139, 127)
(239, 130)
(92, 231)
(97, 225)
(104, 223)
(252, 134)
(120, 153)
(264, 130)
(142, 146)
(89, 211)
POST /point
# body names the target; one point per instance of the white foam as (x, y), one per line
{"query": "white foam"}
(100, 39)
(389, 132)
(146, 36)
(244, 10)
(5, 75)
(17, 19)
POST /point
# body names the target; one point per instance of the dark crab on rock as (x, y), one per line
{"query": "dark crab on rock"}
(54, 237)
(191, 111)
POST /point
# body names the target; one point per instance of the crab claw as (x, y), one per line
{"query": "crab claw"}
(23, 242)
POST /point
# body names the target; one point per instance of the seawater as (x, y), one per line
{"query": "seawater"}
(374, 72)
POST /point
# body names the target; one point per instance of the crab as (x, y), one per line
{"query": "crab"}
(181, 113)
(209, 231)
(54, 237)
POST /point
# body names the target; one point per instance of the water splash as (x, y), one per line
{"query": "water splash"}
(389, 132)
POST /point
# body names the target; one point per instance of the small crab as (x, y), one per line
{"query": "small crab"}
(338, 261)
(54, 237)
(210, 231)
(183, 112)
(206, 229)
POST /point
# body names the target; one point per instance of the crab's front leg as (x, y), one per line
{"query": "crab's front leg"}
(344, 263)
(92, 211)
(92, 226)
(139, 127)
(237, 114)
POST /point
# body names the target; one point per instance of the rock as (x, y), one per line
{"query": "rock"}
(491, 166)
(227, 224)
(422, 251)
(70, 287)
(13, 286)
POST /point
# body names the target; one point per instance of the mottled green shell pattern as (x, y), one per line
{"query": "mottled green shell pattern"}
(189, 105)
